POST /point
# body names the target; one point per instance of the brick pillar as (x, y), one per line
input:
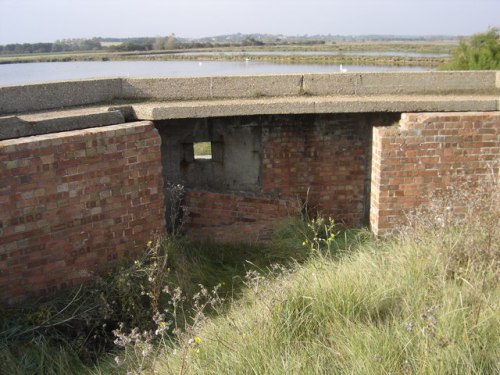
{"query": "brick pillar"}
(426, 152)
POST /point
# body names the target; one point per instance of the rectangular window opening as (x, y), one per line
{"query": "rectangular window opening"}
(202, 150)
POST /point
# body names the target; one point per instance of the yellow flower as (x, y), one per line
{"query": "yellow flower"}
(197, 339)
(149, 243)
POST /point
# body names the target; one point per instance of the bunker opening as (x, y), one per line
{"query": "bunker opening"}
(239, 171)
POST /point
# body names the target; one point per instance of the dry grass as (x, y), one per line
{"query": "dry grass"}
(425, 302)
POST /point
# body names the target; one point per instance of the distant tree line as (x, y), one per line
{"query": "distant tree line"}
(65, 45)
(140, 44)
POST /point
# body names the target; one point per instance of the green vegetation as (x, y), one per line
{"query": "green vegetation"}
(202, 149)
(479, 52)
(312, 301)
(425, 302)
(71, 333)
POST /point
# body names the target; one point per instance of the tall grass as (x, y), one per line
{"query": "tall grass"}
(70, 333)
(425, 302)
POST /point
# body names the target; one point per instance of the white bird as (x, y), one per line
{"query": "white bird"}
(342, 70)
(200, 63)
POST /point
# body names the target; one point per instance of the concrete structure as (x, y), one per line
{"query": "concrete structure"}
(85, 166)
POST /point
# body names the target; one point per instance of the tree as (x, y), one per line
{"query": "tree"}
(159, 43)
(480, 52)
(171, 42)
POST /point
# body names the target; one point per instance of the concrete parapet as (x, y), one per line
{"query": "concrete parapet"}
(330, 84)
(425, 83)
(38, 97)
(26, 98)
(256, 86)
(166, 88)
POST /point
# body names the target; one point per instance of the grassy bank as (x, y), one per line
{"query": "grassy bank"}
(288, 59)
(312, 59)
(313, 301)
(390, 309)
(425, 302)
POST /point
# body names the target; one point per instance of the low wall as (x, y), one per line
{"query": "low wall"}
(73, 203)
(235, 217)
(425, 153)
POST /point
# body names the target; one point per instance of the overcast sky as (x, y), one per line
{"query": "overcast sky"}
(48, 20)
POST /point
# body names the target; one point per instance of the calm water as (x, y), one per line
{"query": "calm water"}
(13, 74)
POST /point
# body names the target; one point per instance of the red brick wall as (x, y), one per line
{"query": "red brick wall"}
(428, 151)
(324, 160)
(235, 217)
(71, 203)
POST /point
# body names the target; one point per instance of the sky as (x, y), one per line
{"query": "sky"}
(30, 21)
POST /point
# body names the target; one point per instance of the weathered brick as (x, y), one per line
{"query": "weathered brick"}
(437, 147)
(68, 192)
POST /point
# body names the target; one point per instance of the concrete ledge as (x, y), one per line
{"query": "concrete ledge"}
(302, 105)
(20, 99)
(54, 122)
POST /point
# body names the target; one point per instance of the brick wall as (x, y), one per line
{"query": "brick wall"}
(428, 151)
(73, 202)
(235, 217)
(322, 158)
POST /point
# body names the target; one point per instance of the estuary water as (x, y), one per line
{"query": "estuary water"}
(16, 74)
